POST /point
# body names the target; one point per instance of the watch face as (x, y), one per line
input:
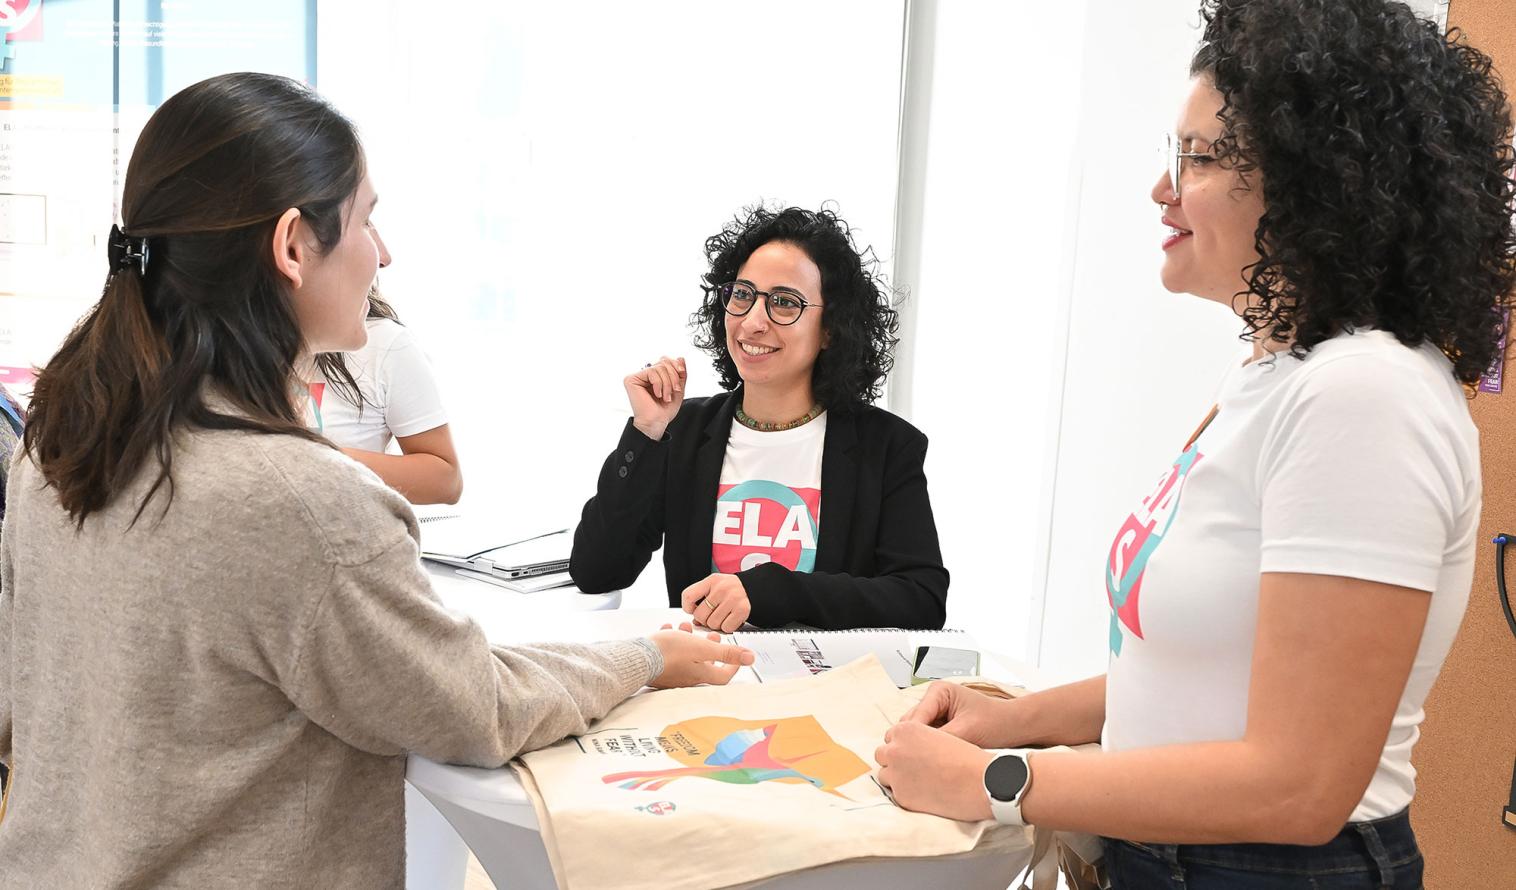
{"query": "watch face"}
(1005, 777)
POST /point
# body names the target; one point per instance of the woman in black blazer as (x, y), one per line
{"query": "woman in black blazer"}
(732, 486)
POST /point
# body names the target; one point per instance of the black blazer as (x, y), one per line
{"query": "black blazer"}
(877, 559)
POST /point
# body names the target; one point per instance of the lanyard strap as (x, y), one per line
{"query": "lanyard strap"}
(1509, 814)
(1200, 429)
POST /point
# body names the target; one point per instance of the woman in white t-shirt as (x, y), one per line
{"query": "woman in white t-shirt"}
(1283, 597)
(387, 390)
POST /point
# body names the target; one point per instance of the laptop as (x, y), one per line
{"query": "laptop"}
(445, 541)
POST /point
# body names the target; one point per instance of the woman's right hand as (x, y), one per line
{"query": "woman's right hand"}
(656, 392)
(969, 715)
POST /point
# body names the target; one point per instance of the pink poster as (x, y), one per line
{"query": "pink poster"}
(13, 378)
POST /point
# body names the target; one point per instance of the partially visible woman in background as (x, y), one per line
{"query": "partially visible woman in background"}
(11, 420)
(387, 391)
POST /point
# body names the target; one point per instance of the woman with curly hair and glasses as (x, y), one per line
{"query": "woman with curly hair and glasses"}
(1283, 600)
(732, 486)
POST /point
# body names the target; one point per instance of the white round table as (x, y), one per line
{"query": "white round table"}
(490, 810)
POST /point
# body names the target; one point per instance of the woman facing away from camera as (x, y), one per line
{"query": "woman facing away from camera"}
(216, 642)
(733, 486)
(1283, 600)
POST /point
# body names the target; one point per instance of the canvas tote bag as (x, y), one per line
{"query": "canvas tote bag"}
(716, 786)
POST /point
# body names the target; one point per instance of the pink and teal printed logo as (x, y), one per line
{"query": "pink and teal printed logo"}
(317, 391)
(1135, 544)
(760, 521)
(19, 20)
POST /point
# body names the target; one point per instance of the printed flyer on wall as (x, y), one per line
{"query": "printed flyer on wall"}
(78, 79)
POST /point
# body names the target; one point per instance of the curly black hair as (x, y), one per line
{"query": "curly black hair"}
(1384, 155)
(859, 322)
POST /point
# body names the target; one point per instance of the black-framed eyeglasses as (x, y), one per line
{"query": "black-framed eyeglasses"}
(1174, 154)
(783, 305)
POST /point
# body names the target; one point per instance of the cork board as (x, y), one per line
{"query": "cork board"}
(1468, 741)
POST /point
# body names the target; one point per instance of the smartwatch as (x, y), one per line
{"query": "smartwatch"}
(1006, 781)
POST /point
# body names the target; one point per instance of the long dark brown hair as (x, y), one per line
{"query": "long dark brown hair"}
(214, 169)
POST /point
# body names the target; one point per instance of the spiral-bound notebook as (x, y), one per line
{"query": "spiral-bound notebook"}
(799, 652)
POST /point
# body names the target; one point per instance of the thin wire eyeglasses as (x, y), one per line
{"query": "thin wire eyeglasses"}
(784, 306)
(1174, 155)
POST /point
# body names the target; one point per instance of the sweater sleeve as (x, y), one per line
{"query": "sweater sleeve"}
(623, 523)
(909, 585)
(386, 668)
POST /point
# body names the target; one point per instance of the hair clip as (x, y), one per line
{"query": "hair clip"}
(127, 252)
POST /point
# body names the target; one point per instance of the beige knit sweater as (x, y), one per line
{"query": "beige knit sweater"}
(223, 694)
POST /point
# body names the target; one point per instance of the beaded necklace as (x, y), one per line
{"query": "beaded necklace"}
(766, 427)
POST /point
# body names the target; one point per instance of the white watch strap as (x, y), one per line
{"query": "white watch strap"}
(1008, 812)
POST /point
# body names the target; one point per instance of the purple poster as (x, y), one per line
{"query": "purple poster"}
(1491, 380)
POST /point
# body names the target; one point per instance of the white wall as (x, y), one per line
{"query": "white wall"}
(548, 172)
(553, 146)
(548, 175)
(1056, 378)
(1142, 364)
(1003, 121)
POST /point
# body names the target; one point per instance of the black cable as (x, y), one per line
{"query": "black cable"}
(1505, 597)
(1508, 817)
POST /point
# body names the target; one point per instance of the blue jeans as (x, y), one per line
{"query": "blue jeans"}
(1377, 855)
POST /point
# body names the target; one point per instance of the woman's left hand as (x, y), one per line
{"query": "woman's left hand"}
(689, 660)
(718, 601)
(931, 771)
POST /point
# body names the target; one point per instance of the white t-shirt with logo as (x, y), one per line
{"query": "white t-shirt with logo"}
(768, 502)
(1360, 461)
(398, 386)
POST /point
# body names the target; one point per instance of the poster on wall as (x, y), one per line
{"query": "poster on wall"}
(1494, 378)
(78, 80)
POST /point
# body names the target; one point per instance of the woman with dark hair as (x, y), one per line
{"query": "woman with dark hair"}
(216, 641)
(732, 486)
(1283, 601)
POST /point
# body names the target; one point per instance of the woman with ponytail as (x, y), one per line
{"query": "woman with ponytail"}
(216, 642)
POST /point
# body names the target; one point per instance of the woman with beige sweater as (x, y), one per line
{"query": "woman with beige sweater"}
(216, 642)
